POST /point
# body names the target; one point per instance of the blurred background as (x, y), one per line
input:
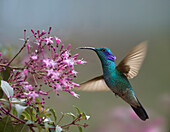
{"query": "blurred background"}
(118, 25)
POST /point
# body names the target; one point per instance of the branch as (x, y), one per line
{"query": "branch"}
(18, 52)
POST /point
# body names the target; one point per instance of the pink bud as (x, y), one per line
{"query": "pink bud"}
(28, 47)
(58, 41)
(49, 30)
(74, 94)
(85, 125)
(43, 93)
(38, 31)
(81, 62)
(25, 34)
(68, 46)
(78, 61)
(75, 56)
(42, 33)
(25, 71)
(75, 84)
(61, 47)
(33, 31)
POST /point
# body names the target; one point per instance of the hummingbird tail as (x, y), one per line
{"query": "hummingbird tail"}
(140, 111)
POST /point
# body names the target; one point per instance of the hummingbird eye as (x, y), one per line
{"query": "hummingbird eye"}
(103, 49)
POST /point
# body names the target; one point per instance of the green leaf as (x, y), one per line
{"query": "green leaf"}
(54, 114)
(18, 105)
(22, 117)
(51, 130)
(48, 120)
(8, 90)
(1, 78)
(14, 112)
(58, 129)
(38, 126)
(78, 110)
(26, 115)
(18, 101)
(19, 108)
(1, 93)
(46, 127)
(21, 128)
(84, 116)
(30, 122)
(5, 74)
(37, 100)
(80, 128)
(6, 124)
(72, 115)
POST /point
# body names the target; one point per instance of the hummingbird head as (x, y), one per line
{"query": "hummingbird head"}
(104, 53)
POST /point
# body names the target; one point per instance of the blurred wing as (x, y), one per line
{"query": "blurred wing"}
(131, 64)
(95, 84)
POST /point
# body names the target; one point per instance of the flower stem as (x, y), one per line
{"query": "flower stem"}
(18, 52)
(11, 67)
(32, 129)
(60, 119)
(7, 113)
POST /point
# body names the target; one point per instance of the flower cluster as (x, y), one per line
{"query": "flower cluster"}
(48, 66)
(49, 63)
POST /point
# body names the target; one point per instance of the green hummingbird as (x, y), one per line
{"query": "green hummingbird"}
(116, 78)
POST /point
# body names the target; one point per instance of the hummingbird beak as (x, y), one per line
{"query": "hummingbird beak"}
(91, 48)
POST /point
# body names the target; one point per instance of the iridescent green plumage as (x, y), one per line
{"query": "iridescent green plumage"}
(116, 77)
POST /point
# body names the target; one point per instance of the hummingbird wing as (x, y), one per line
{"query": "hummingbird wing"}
(131, 64)
(95, 84)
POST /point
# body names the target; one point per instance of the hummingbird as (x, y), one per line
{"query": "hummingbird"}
(116, 78)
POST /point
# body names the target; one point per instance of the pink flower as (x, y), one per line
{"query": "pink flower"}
(52, 63)
(28, 88)
(74, 94)
(25, 71)
(69, 62)
(80, 62)
(50, 72)
(58, 41)
(34, 95)
(58, 87)
(49, 64)
(55, 74)
(48, 40)
(34, 57)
